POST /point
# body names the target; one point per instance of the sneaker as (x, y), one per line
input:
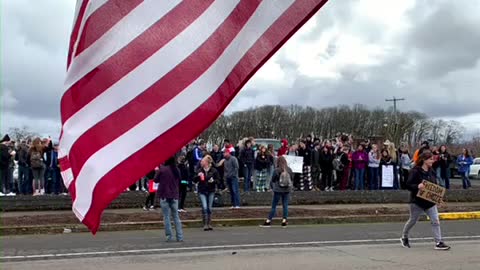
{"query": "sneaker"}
(327, 189)
(284, 223)
(405, 242)
(331, 189)
(267, 224)
(152, 207)
(441, 246)
(11, 194)
(42, 192)
(145, 208)
(237, 207)
(2, 194)
(182, 211)
(233, 207)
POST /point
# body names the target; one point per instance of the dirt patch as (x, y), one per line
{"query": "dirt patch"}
(218, 213)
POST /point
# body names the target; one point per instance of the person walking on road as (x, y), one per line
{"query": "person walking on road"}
(168, 179)
(422, 172)
(281, 186)
(207, 180)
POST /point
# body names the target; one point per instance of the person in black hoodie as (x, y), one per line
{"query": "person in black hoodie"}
(247, 159)
(309, 143)
(316, 166)
(385, 162)
(326, 165)
(5, 158)
(23, 169)
(444, 161)
(262, 162)
(422, 172)
(217, 156)
(183, 168)
(306, 180)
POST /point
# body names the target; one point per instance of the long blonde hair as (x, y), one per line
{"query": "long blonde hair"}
(37, 146)
(393, 152)
(282, 163)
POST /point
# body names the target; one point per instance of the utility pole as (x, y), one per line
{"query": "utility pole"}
(395, 100)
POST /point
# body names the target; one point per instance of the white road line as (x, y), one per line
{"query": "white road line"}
(222, 247)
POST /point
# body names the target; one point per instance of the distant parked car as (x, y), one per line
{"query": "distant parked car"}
(276, 143)
(453, 167)
(475, 168)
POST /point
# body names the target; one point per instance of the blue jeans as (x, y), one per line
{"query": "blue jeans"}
(359, 179)
(247, 174)
(466, 181)
(54, 178)
(374, 172)
(170, 207)
(207, 202)
(233, 187)
(276, 198)
(24, 183)
(447, 179)
(441, 181)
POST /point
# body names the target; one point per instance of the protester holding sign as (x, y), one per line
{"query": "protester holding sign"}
(422, 172)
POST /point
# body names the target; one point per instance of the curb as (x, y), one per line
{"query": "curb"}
(155, 225)
(459, 215)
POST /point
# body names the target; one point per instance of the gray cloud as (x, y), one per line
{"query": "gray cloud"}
(433, 62)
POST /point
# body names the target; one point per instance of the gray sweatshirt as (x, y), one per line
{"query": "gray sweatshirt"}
(231, 167)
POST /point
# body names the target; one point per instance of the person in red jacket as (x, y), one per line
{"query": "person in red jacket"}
(284, 149)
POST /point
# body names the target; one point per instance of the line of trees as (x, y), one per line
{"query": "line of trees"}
(293, 122)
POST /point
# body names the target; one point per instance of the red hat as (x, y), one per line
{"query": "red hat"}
(229, 149)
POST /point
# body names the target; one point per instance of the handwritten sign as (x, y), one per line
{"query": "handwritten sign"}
(387, 176)
(432, 192)
(295, 163)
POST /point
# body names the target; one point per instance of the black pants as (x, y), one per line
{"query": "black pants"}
(183, 196)
(403, 179)
(316, 176)
(327, 178)
(4, 181)
(150, 200)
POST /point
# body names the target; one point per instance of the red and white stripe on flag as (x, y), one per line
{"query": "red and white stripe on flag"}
(146, 77)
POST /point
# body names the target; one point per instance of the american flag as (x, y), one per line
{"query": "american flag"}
(146, 77)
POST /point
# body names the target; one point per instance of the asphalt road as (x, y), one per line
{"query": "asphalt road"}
(339, 245)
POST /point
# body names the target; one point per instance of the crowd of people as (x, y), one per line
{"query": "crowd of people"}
(34, 164)
(338, 164)
(207, 179)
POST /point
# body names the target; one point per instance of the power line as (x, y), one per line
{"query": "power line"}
(395, 100)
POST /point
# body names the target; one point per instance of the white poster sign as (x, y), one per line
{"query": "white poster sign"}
(387, 176)
(295, 163)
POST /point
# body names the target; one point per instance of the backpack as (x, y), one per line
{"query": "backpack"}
(337, 163)
(36, 160)
(218, 200)
(285, 180)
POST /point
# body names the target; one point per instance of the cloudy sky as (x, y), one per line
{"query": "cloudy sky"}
(352, 51)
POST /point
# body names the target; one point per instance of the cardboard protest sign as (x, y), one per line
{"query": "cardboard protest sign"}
(432, 192)
(387, 176)
(295, 163)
